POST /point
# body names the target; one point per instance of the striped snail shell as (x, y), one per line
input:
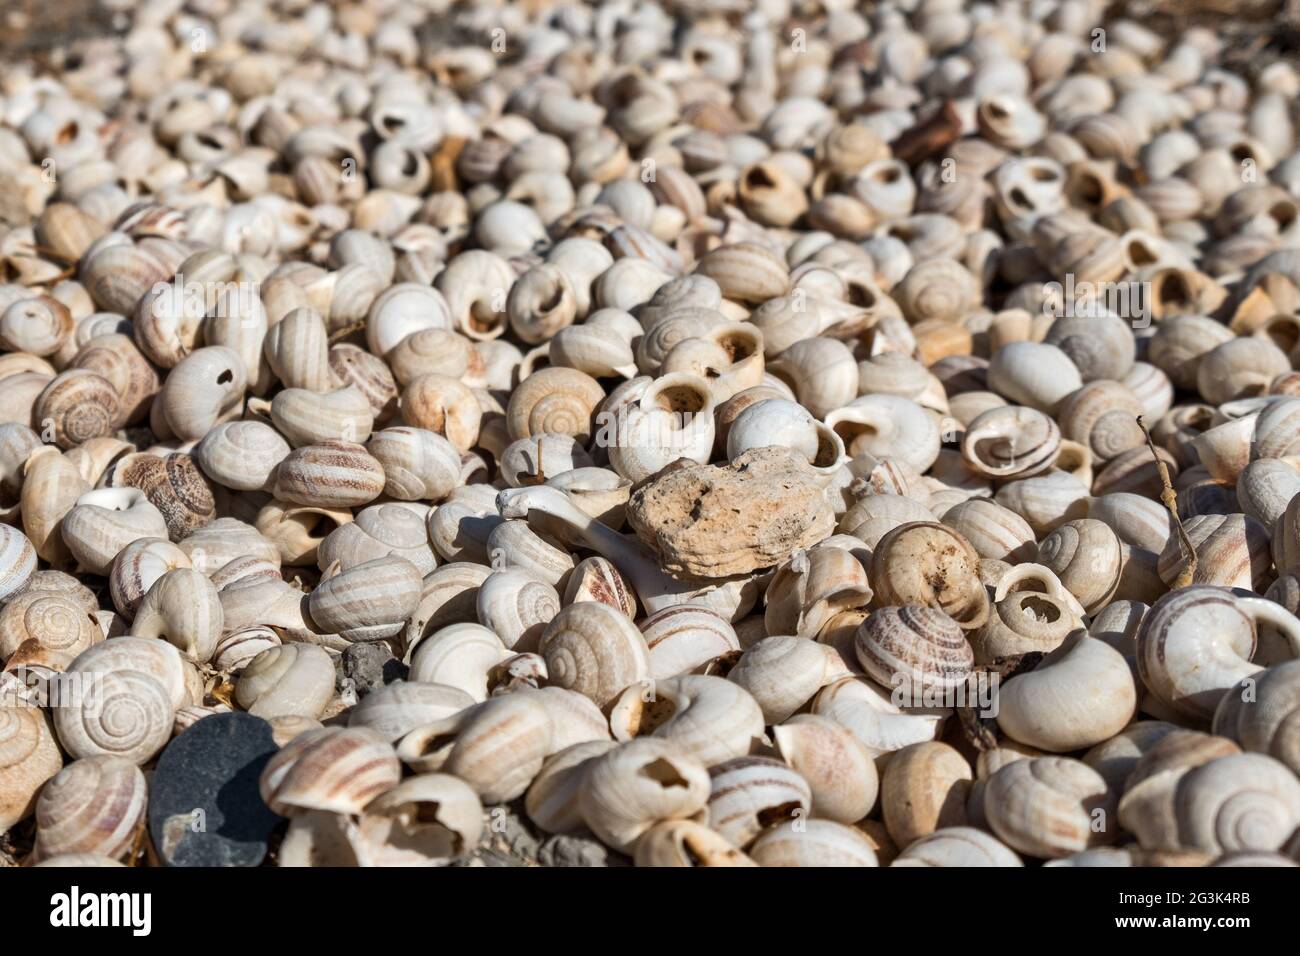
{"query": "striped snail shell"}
(17, 561)
(813, 843)
(1045, 806)
(749, 794)
(46, 629)
(289, 679)
(917, 645)
(396, 709)
(684, 637)
(335, 769)
(93, 805)
(368, 602)
(497, 747)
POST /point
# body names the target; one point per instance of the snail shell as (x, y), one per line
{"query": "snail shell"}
(914, 645)
(426, 820)
(124, 713)
(749, 794)
(1079, 695)
(1046, 807)
(711, 718)
(866, 710)
(1266, 723)
(638, 784)
(1011, 442)
(958, 846)
(813, 843)
(331, 474)
(182, 607)
(927, 563)
(288, 680)
(336, 769)
(105, 521)
(241, 455)
(593, 649)
(396, 709)
(29, 756)
(368, 602)
(1197, 642)
(46, 629)
(93, 805)
(516, 606)
(685, 843)
(783, 673)
(839, 770)
(684, 637)
(925, 788)
(497, 747)
(137, 567)
(17, 561)
(458, 656)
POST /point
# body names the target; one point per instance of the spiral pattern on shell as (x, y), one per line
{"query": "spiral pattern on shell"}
(918, 645)
(121, 713)
(593, 649)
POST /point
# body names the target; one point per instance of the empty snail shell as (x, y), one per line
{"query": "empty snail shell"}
(782, 673)
(1011, 442)
(1263, 721)
(93, 805)
(638, 784)
(458, 656)
(425, 820)
(1048, 806)
(813, 843)
(182, 607)
(1197, 642)
(1079, 695)
(29, 756)
(368, 602)
(685, 637)
(497, 747)
(839, 770)
(593, 649)
(686, 843)
(867, 711)
(17, 561)
(288, 680)
(927, 563)
(925, 787)
(516, 606)
(45, 629)
(710, 718)
(958, 846)
(137, 566)
(750, 794)
(915, 646)
(335, 769)
(105, 521)
(396, 709)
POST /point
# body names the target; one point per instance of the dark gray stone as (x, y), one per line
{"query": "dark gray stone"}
(370, 666)
(204, 805)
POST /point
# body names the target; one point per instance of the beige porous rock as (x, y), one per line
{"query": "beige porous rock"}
(716, 521)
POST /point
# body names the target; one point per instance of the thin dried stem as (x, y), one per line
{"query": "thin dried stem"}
(1170, 499)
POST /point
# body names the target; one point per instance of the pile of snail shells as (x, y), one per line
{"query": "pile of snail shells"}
(455, 332)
